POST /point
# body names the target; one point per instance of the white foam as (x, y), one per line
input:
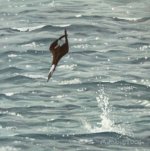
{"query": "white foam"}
(79, 15)
(33, 44)
(70, 67)
(63, 25)
(8, 148)
(69, 82)
(23, 29)
(12, 56)
(34, 76)
(28, 66)
(11, 113)
(9, 94)
(58, 96)
(128, 19)
(144, 103)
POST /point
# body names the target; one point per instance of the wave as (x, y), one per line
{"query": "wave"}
(25, 29)
(34, 28)
(6, 112)
(113, 84)
(18, 79)
(77, 83)
(64, 25)
(131, 20)
(10, 96)
(69, 26)
(10, 52)
(39, 27)
(8, 30)
(91, 27)
(66, 136)
(33, 76)
(33, 52)
(87, 16)
(68, 67)
(70, 82)
(13, 54)
(119, 19)
(10, 69)
(53, 27)
(9, 148)
(125, 83)
(103, 138)
(140, 45)
(140, 60)
(144, 103)
(129, 106)
(56, 27)
(4, 96)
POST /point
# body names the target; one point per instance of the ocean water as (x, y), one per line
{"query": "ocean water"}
(99, 96)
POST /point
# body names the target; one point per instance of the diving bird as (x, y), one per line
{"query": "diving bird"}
(58, 48)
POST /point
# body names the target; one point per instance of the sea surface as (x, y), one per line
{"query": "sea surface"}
(99, 96)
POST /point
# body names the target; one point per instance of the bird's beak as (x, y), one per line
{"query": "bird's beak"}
(49, 76)
(52, 69)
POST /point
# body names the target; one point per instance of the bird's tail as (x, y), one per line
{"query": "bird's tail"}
(52, 69)
(65, 31)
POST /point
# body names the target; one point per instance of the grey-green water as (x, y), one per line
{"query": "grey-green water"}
(99, 96)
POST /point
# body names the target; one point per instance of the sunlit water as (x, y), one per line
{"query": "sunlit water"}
(99, 96)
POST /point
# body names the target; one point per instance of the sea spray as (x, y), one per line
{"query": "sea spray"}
(103, 103)
(106, 123)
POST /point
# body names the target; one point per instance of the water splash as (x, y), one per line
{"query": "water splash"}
(103, 104)
(106, 124)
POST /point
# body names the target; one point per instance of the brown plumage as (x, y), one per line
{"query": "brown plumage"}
(58, 51)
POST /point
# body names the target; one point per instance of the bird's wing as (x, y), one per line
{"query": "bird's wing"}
(52, 46)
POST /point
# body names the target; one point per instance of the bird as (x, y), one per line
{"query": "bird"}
(58, 48)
